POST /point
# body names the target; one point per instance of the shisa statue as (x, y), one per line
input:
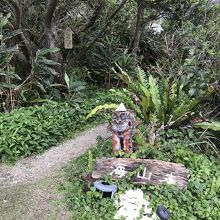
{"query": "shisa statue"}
(122, 127)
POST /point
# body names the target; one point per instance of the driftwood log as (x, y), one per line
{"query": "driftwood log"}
(147, 171)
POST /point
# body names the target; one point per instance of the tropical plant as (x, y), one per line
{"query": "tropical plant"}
(74, 90)
(163, 102)
(8, 78)
(31, 88)
(199, 201)
(101, 107)
(206, 125)
(39, 81)
(103, 57)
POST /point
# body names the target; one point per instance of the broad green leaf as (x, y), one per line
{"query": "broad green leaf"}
(48, 62)
(9, 74)
(45, 51)
(39, 85)
(57, 85)
(9, 50)
(67, 80)
(212, 125)
(101, 107)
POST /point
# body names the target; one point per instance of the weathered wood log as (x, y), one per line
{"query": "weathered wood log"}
(154, 171)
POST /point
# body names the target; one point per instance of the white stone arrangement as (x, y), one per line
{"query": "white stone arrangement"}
(130, 205)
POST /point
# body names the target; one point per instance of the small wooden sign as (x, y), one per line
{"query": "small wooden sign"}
(68, 39)
(154, 171)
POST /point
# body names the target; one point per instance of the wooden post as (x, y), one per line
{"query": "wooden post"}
(154, 171)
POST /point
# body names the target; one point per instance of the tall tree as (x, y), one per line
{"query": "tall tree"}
(138, 27)
(50, 37)
(24, 58)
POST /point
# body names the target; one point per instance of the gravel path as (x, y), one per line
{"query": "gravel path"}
(33, 168)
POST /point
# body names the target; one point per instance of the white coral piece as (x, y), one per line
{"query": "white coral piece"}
(130, 205)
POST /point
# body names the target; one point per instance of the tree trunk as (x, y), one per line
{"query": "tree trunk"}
(138, 27)
(50, 37)
(24, 58)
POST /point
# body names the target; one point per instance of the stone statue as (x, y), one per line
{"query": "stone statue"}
(122, 127)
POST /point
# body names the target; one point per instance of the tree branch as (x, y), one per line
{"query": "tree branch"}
(50, 37)
(138, 26)
(91, 21)
(94, 16)
(51, 6)
(15, 6)
(112, 15)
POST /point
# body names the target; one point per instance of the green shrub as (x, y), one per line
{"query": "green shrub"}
(33, 129)
(201, 199)
(30, 130)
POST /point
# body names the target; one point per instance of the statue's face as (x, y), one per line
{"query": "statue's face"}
(120, 117)
(122, 121)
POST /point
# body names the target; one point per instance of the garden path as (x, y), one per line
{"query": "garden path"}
(28, 189)
(35, 167)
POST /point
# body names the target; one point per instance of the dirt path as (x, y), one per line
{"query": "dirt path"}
(35, 167)
(28, 190)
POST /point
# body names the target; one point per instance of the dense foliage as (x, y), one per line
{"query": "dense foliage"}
(200, 200)
(176, 40)
(33, 129)
(159, 57)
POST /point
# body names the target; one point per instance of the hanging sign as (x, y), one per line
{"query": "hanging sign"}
(68, 39)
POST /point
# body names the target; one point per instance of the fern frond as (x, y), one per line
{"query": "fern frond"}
(127, 97)
(144, 90)
(141, 76)
(127, 80)
(122, 75)
(184, 107)
(164, 94)
(101, 107)
(145, 104)
(155, 95)
(173, 92)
